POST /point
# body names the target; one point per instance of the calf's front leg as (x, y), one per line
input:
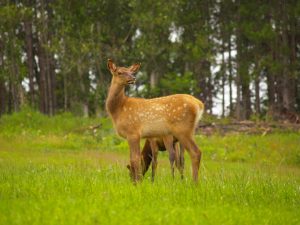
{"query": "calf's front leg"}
(135, 158)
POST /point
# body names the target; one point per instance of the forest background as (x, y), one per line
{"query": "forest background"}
(241, 58)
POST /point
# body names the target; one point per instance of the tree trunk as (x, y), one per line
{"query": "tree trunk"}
(51, 78)
(288, 81)
(204, 82)
(293, 61)
(271, 93)
(270, 73)
(15, 81)
(46, 61)
(99, 105)
(30, 59)
(230, 76)
(246, 94)
(257, 96)
(209, 93)
(153, 79)
(51, 84)
(66, 96)
(42, 60)
(238, 107)
(243, 108)
(83, 93)
(43, 80)
(223, 73)
(10, 98)
(287, 84)
(100, 95)
(3, 96)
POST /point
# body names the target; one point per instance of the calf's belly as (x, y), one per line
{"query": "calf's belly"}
(154, 129)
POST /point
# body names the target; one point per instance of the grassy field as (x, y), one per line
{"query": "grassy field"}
(60, 171)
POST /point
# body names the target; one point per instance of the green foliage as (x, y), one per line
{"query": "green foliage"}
(31, 122)
(175, 83)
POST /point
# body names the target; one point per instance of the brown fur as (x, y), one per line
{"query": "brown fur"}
(176, 158)
(164, 117)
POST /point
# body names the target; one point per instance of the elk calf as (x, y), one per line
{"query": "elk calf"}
(136, 118)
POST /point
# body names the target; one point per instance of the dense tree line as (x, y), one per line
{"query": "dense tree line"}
(53, 53)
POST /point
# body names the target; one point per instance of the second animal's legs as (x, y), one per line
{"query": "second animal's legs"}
(154, 149)
(146, 156)
(168, 142)
(179, 158)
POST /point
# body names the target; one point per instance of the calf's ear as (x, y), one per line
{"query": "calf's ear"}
(111, 66)
(135, 67)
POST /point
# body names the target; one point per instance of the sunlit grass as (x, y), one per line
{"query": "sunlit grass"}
(276, 148)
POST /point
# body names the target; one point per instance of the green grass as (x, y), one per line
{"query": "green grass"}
(276, 148)
(51, 173)
(91, 187)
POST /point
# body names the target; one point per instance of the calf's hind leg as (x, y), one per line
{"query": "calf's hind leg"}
(194, 152)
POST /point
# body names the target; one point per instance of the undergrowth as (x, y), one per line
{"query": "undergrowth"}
(31, 130)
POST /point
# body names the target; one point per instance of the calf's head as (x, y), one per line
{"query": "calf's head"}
(123, 75)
